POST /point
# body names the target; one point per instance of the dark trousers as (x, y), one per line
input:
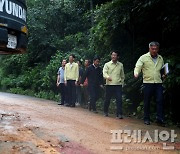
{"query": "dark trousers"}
(115, 90)
(94, 94)
(85, 96)
(63, 93)
(151, 89)
(78, 94)
(71, 92)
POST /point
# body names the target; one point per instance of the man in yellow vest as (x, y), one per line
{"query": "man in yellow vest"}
(71, 76)
(113, 72)
(151, 64)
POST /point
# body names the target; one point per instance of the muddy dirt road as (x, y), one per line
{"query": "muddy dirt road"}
(35, 126)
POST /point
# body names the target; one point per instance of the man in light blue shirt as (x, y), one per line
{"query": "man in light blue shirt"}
(60, 82)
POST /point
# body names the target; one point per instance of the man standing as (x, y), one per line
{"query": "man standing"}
(60, 82)
(78, 87)
(113, 72)
(151, 64)
(85, 92)
(71, 76)
(95, 80)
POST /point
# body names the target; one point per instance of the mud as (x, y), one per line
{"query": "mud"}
(36, 126)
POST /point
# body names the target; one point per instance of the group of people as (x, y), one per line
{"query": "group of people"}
(72, 78)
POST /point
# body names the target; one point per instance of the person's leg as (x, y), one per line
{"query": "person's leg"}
(60, 97)
(118, 96)
(65, 95)
(78, 95)
(62, 92)
(159, 102)
(68, 88)
(96, 96)
(62, 87)
(85, 97)
(92, 97)
(108, 96)
(87, 100)
(73, 93)
(148, 91)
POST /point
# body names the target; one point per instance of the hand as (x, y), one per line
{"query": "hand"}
(136, 75)
(164, 76)
(109, 78)
(65, 83)
(102, 86)
(57, 84)
(81, 85)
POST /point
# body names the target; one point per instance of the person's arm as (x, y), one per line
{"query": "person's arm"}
(105, 73)
(138, 67)
(101, 78)
(162, 71)
(65, 75)
(58, 80)
(80, 75)
(122, 74)
(84, 76)
(77, 74)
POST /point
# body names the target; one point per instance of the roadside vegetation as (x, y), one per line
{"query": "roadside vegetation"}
(87, 28)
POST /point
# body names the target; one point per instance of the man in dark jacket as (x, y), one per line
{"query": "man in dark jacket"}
(95, 80)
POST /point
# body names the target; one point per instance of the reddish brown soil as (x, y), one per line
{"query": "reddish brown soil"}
(36, 126)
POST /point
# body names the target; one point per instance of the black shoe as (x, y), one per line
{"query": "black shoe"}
(105, 114)
(119, 116)
(95, 111)
(161, 123)
(147, 122)
(60, 103)
(73, 105)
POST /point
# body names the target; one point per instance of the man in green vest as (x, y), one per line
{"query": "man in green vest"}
(71, 76)
(151, 64)
(113, 72)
